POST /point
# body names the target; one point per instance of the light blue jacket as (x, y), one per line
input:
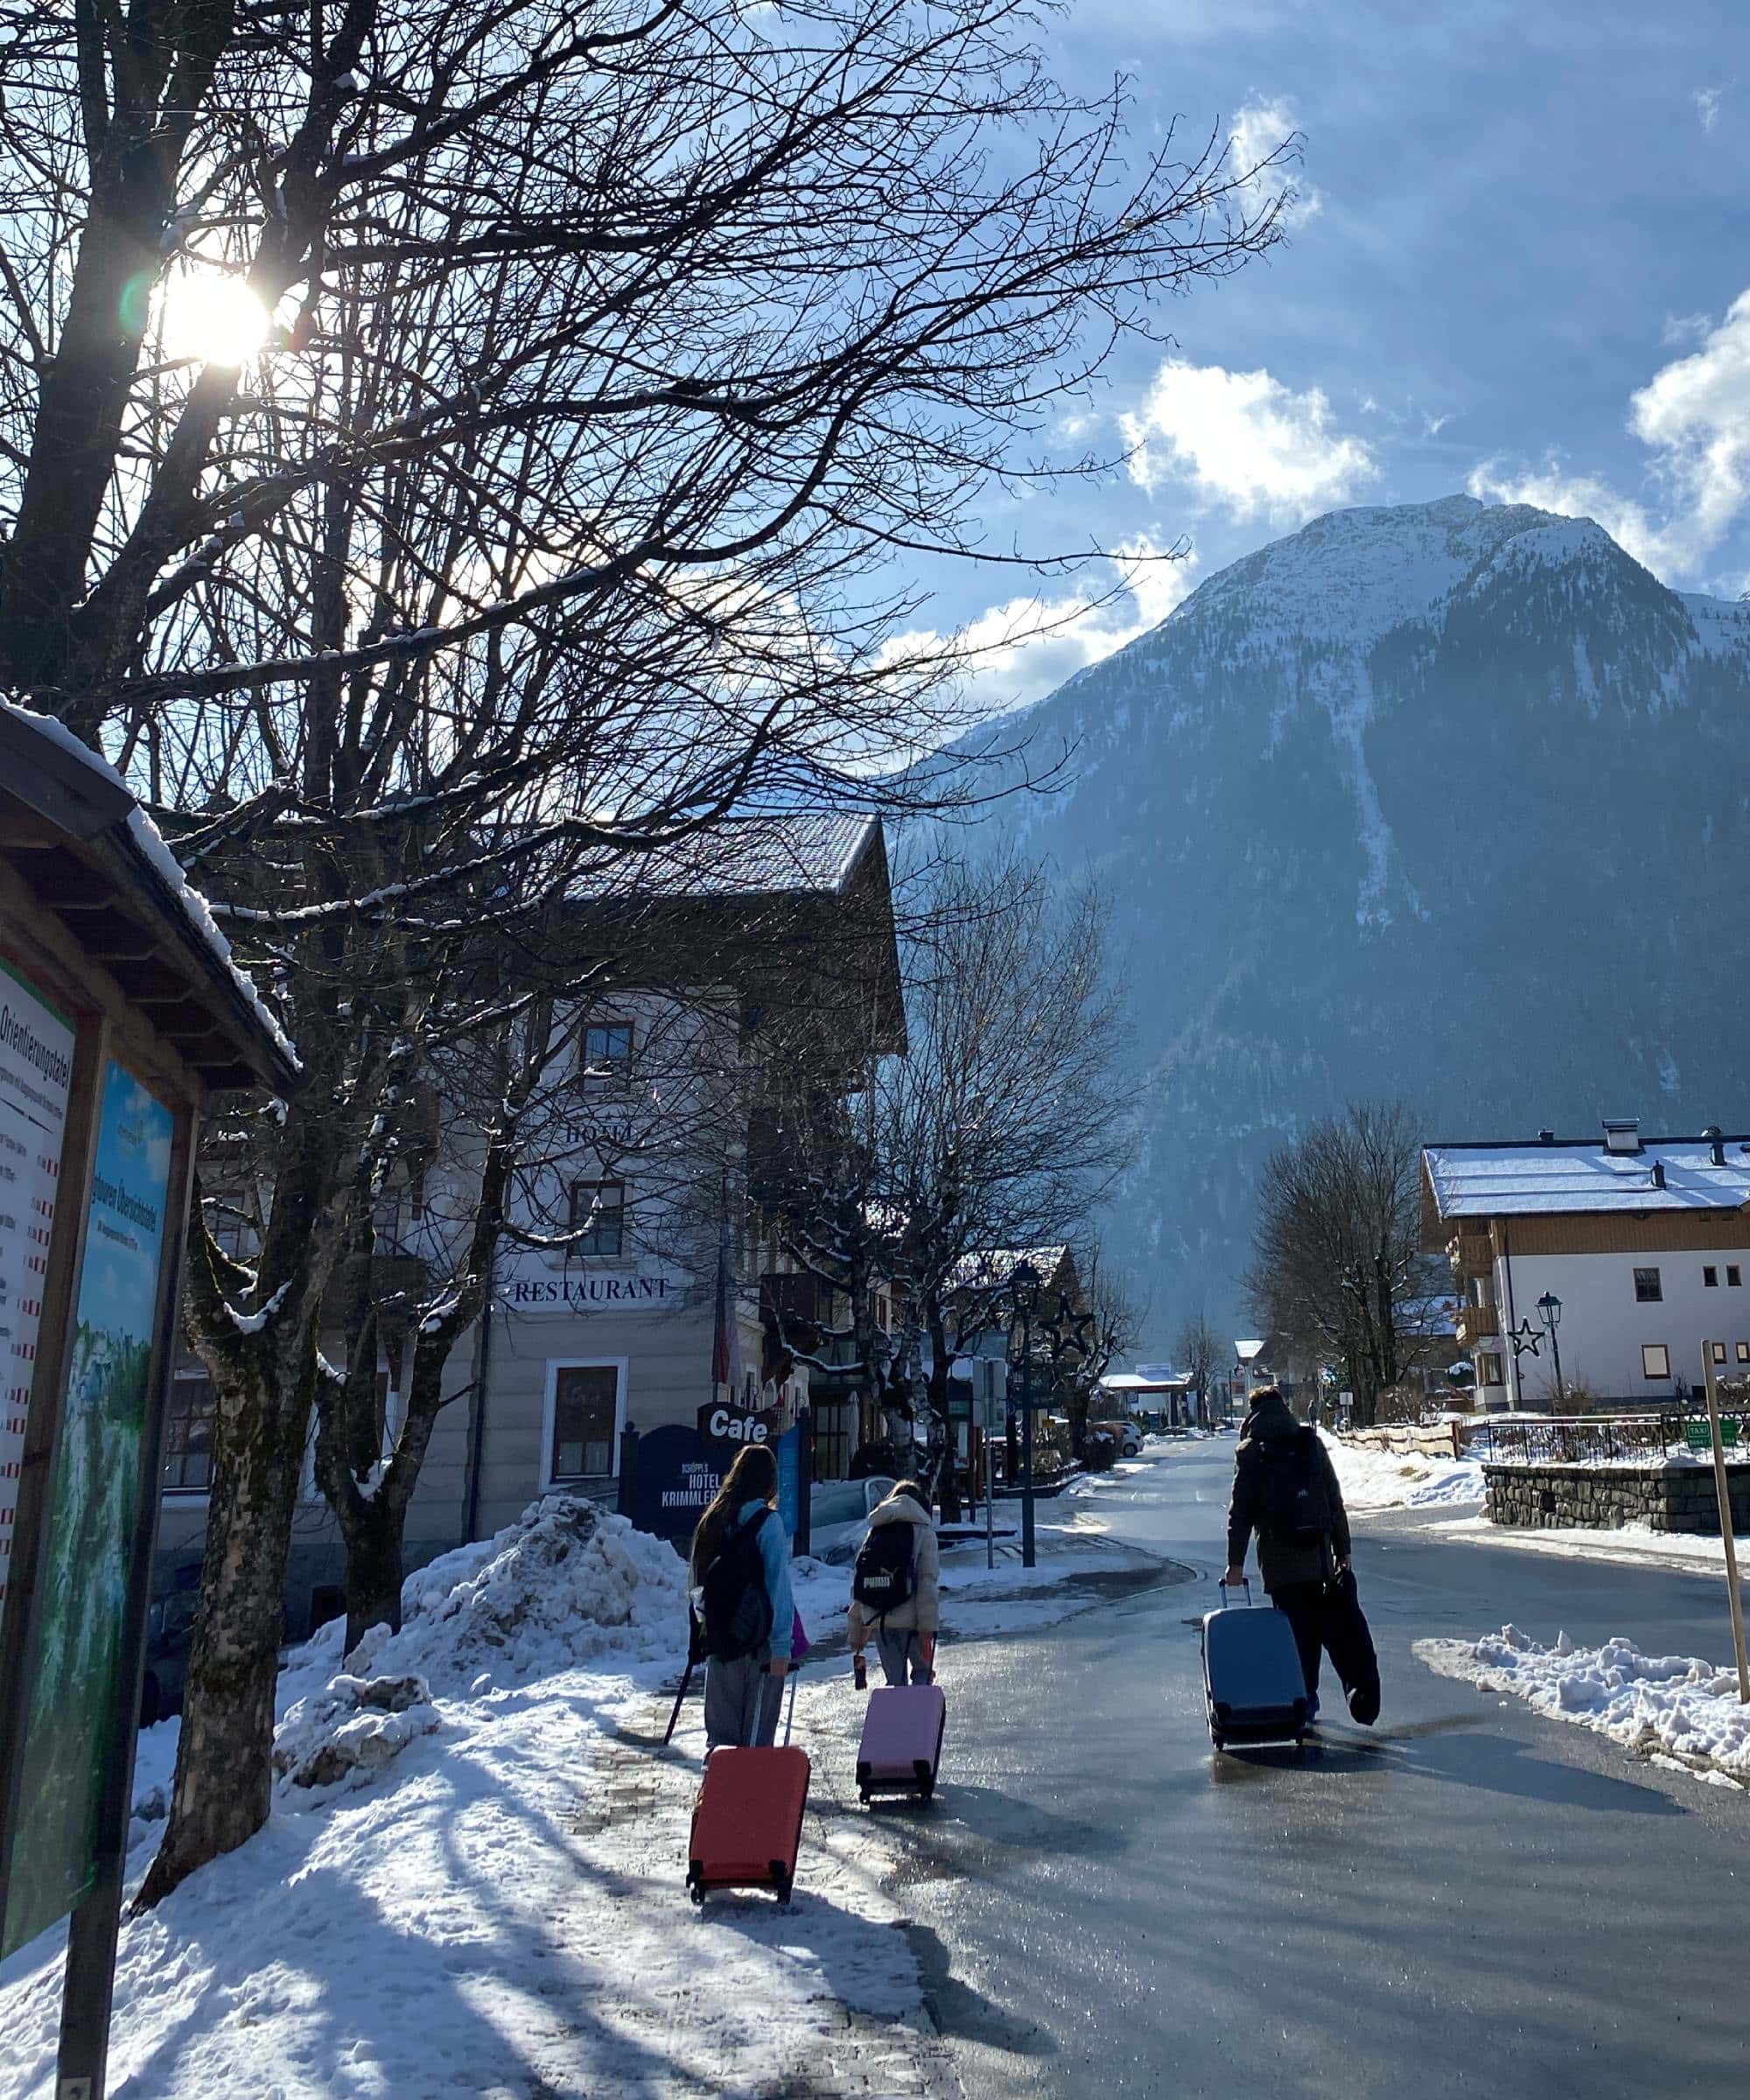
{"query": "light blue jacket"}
(774, 1555)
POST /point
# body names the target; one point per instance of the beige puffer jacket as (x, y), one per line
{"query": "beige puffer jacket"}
(920, 1611)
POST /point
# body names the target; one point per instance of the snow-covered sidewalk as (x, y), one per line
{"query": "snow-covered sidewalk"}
(1623, 1546)
(1675, 1709)
(481, 1895)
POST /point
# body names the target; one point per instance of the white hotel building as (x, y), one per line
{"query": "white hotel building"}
(1644, 1243)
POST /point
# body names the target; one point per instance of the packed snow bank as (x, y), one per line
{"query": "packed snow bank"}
(567, 1583)
(1391, 1480)
(1674, 1704)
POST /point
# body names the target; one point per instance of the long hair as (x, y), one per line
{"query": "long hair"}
(752, 1478)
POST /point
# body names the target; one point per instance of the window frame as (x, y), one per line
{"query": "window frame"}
(1734, 1276)
(1659, 1349)
(1718, 1351)
(1709, 1276)
(547, 1479)
(613, 1074)
(1744, 1352)
(1491, 1371)
(190, 1375)
(1643, 1295)
(577, 1250)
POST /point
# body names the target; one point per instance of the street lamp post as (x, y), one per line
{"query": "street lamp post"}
(1023, 1285)
(1550, 1312)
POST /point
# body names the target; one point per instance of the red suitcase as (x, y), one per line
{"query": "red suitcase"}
(747, 1821)
(901, 1744)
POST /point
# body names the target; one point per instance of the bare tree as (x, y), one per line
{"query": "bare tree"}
(1117, 1314)
(1199, 1349)
(999, 1130)
(1336, 1261)
(612, 354)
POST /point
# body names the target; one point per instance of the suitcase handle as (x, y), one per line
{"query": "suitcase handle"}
(1245, 1583)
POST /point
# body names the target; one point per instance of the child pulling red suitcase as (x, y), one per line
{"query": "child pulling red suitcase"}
(747, 1821)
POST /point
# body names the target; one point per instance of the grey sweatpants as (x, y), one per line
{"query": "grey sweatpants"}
(902, 1658)
(735, 1694)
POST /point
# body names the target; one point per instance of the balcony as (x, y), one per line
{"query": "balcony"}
(1475, 1324)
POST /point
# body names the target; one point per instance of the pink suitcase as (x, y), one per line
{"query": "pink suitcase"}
(901, 1744)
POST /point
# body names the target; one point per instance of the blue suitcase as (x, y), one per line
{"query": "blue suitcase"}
(1253, 1685)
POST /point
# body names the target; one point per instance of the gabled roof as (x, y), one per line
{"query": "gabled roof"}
(1578, 1176)
(800, 853)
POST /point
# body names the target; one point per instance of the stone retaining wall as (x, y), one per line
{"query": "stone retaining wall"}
(1675, 1497)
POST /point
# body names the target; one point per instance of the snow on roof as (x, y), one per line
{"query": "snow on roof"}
(1578, 1175)
(995, 1267)
(805, 852)
(1144, 1382)
(148, 847)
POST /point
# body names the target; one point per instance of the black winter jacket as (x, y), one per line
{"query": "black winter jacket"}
(1281, 1561)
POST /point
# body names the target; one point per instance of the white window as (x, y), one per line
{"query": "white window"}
(188, 1434)
(1744, 1352)
(1489, 1371)
(1656, 1360)
(607, 1056)
(598, 1217)
(1718, 1348)
(582, 1419)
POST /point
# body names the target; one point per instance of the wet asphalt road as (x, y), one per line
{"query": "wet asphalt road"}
(1469, 1900)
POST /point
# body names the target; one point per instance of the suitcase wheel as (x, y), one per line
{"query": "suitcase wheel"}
(1220, 1741)
(926, 1777)
(862, 1794)
(695, 1891)
(780, 1880)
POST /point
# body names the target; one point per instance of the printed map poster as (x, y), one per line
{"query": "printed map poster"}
(94, 1503)
(36, 1069)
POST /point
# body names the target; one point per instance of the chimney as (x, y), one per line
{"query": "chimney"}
(1715, 1145)
(1658, 1174)
(1622, 1134)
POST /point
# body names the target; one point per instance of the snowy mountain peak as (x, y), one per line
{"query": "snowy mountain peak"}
(1353, 575)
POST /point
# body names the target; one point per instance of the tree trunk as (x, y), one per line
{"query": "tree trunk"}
(372, 1530)
(941, 1430)
(234, 1664)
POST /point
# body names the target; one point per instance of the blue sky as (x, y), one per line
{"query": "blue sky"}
(1519, 264)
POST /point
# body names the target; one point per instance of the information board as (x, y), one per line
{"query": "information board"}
(94, 1504)
(36, 1069)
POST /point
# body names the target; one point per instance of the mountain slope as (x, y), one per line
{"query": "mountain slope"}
(1441, 800)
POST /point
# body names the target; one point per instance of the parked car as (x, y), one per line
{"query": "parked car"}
(1126, 1436)
(838, 1515)
(169, 1634)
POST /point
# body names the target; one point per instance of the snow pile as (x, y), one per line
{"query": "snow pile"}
(1401, 1479)
(351, 1729)
(566, 1584)
(1676, 1706)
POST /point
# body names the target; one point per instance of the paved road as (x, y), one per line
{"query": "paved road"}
(1471, 1900)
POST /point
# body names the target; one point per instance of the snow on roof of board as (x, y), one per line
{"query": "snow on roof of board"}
(1578, 1175)
(1143, 1381)
(805, 852)
(149, 842)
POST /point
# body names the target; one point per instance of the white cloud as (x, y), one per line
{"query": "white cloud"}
(1019, 651)
(1265, 153)
(1707, 101)
(1244, 441)
(1693, 416)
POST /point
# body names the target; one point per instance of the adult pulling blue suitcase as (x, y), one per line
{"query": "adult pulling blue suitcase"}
(1253, 1685)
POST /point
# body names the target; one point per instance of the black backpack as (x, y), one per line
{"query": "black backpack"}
(1295, 1504)
(884, 1576)
(734, 1600)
